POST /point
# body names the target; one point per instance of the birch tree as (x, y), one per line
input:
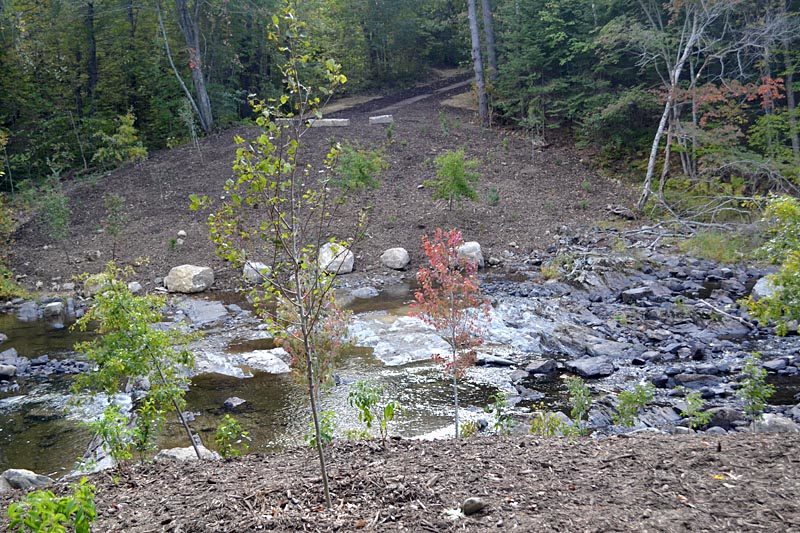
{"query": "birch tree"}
(477, 62)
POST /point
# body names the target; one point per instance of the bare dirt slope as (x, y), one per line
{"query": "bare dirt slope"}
(539, 190)
(645, 483)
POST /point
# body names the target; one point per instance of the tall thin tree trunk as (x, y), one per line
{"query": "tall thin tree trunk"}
(488, 31)
(92, 71)
(791, 104)
(665, 169)
(477, 62)
(187, 20)
(651, 163)
(186, 90)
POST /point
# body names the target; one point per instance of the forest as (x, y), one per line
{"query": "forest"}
(710, 84)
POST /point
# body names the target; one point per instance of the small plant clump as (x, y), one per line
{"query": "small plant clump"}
(581, 401)
(503, 423)
(115, 219)
(631, 402)
(454, 178)
(493, 197)
(694, 411)
(755, 391)
(546, 423)
(122, 146)
(469, 429)
(41, 510)
(327, 426)
(366, 397)
(230, 438)
(358, 170)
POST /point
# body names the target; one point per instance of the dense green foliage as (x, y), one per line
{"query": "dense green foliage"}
(455, 178)
(230, 438)
(580, 399)
(782, 247)
(127, 349)
(631, 402)
(754, 390)
(41, 510)
(694, 411)
(366, 398)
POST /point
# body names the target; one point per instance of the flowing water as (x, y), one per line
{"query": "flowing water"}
(40, 431)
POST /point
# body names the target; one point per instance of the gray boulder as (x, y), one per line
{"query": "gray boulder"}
(21, 479)
(233, 403)
(365, 292)
(471, 251)
(336, 259)
(395, 258)
(724, 417)
(28, 312)
(541, 366)
(591, 367)
(7, 371)
(772, 423)
(696, 381)
(203, 312)
(189, 279)
(3, 338)
(634, 295)
(135, 287)
(53, 309)
(255, 271)
(773, 365)
(764, 288)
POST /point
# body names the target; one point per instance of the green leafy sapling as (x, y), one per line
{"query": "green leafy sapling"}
(580, 399)
(127, 347)
(503, 423)
(325, 431)
(115, 220)
(43, 511)
(631, 402)
(366, 398)
(454, 178)
(56, 212)
(122, 146)
(754, 390)
(357, 169)
(694, 411)
(230, 438)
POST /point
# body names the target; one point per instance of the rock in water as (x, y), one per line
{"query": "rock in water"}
(53, 309)
(471, 251)
(255, 271)
(189, 279)
(233, 403)
(395, 258)
(365, 292)
(203, 313)
(335, 258)
(472, 505)
(20, 479)
(7, 371)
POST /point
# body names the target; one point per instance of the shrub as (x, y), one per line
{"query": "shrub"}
(42, 510)
(755, 391)
(358, 169)
(454, 178)
(783, 246)
(469, 429)
(366, 397)
(327, 425)
(546, 423)
(693, 411)
(503, 423)
(230, 439)
(122, 146)
(630, 402)
(581, 399)
(56, 213)
(115, 219)
(719, 246)
(493, 197)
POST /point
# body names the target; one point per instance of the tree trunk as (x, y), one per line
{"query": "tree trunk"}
(488, 31)
(174, 68)
(187, 20)
(791, 105)
(651, 163)
(477, 62)
(91, 56)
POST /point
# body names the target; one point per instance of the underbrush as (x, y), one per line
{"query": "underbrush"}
(725, 247)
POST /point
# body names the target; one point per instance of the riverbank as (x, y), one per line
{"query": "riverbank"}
(741, 482)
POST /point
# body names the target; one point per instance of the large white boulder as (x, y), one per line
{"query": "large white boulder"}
(471, 251)
(269, 361)
(335, 258)
(187, 454)
(189, 279)
(395, 258)
(21, 479)
(764, 288)
(255, 271)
